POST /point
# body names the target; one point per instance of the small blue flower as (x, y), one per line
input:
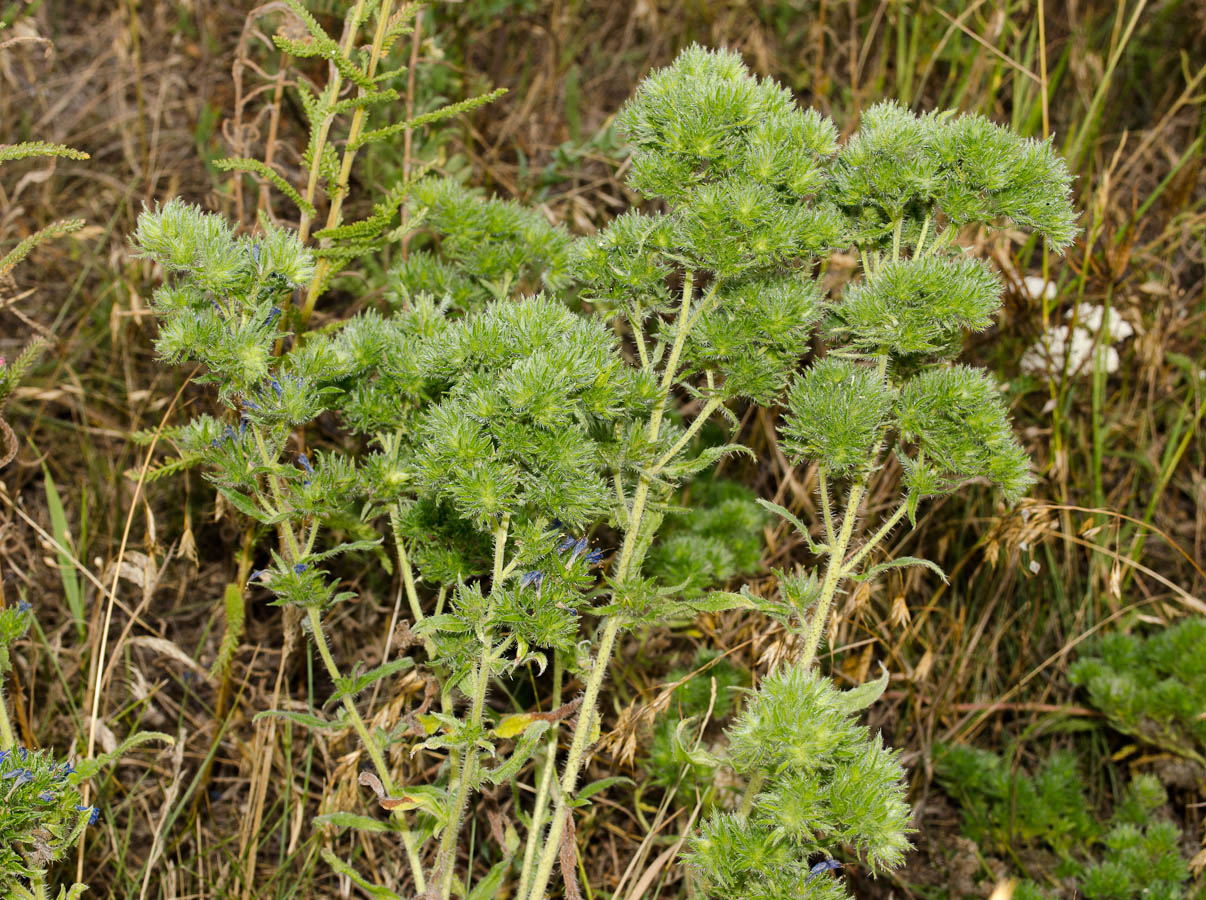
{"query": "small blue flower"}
(566, 543)
(255, 253)
(23, 607)
(46, 797)
(261, 574)
(299, 568)
(95, 813)
(824, 865)
(276, 387)
(594, 557)
(273, 315)
(304, 462)
(532, 578)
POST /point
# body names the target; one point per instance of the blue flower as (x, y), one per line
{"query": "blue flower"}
(95, 813)
(304, 462)
(299, 568)
(823, 866)
(532, 578)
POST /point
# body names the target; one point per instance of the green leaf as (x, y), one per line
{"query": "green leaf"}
(864, 695)
(244, 504)
(73, 590)
(902, 562)
(351, 685)
(10, 152)
(306, 720)
(790, 517)
(721, 601)
(489, 886)
(342, 868)
(343, 820)
(23, 249)
(444, 622)
(255, 167)
(599, 786)
(524, 748)
(436, 115)
(89, 767)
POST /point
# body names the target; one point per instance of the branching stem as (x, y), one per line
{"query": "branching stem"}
(366, 738)
(632, 537)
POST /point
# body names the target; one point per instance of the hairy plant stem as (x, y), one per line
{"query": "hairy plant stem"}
(873, 541)
(540, 806)
(837, 567)
(446, 856)
(833, 574)
(366, 738)
(408, 575)
(611, 629)
(751, 790)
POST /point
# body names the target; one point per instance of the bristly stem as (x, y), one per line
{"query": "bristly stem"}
(540, 806)
(366, 738)
(873, 541)
(833, 574)
(446, 856)
(632, 536)
(408, 574)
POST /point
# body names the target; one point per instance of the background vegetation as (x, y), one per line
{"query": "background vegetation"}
(1111, 539)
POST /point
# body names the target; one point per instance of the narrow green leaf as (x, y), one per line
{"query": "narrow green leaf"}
(255, 167)
(73, 589)
(864, 695)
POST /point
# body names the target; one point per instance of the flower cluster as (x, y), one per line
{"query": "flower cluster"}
(41, 817)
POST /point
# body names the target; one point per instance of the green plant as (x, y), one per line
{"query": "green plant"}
(1152, 688)
(42, 816)
(504, 430)
(716, 537)
(12, 371)
(1128, 856)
